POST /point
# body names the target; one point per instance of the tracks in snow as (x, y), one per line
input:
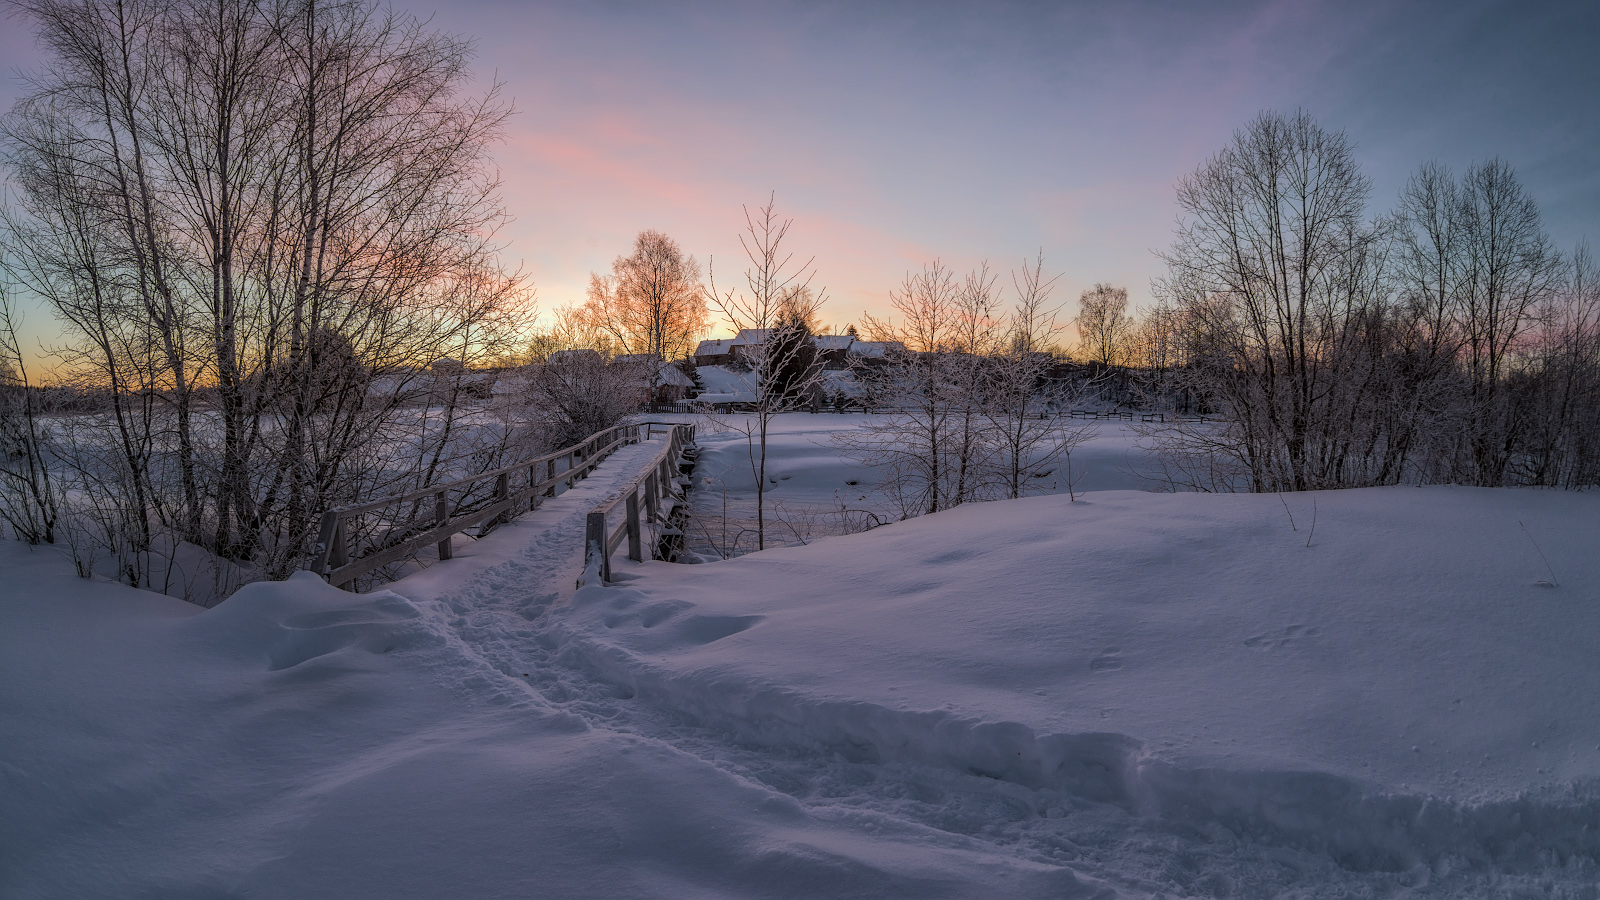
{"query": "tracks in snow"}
(496, 611)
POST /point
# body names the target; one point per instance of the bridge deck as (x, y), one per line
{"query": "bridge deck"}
(535, 559)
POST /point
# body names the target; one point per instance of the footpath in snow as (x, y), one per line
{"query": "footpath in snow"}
(1131, 695)
(298, 741)
(1402, 691)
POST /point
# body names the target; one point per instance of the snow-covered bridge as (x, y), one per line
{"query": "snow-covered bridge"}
(640, 487)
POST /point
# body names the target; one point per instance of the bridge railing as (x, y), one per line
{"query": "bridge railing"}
(356, 539)
(641, 513)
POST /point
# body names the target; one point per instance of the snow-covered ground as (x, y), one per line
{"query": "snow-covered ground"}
(1130, 695)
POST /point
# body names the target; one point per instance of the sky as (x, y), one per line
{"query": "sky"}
(894, 133)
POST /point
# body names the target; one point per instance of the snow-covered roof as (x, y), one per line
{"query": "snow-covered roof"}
(636, 358)
(834, 341)
(747, 337)
(875, 348)
(714, 347)
(673, 376)
(723, 384)
(840, 381)
(648, 362)
(568, 357)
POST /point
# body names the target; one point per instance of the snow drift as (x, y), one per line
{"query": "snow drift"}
(1401, 687)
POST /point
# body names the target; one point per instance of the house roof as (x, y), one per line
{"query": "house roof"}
(632, 358)
(719, 347)
(663, 373)
(875, 348)
(834, 341)
(674, 377)
(567, 357)
(726, 385)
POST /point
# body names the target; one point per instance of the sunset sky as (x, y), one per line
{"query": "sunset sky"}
(894, 133)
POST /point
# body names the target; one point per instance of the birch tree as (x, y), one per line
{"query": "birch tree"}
(777, 293)
(216, 199)
(652, 303)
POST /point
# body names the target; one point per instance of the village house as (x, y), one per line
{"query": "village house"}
(660, 381)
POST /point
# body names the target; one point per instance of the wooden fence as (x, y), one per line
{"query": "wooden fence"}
(646, 506)
(357, 539)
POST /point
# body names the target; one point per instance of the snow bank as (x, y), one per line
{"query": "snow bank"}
(297, 741)
(1134, 695)
(1402, 691)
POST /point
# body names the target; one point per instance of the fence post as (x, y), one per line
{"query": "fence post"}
(502, 493)
(341, 552)
(441, 515)
(594, 541)
(550, 472)
(319, 565)
(533, 485)
(652, 497)
(635, 545)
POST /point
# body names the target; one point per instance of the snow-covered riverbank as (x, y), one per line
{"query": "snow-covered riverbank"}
(1130, 695)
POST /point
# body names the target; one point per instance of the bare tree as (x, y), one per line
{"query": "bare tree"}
(259, 223)
(652, 303)
(1475, 271)
(1272, 263)
(1447, 342)
(1104, 325)
(968, 406)
(1554, 385)
(575, 395)
(1020, 402)
(28, 491)
(570, 328)
(1155, 351)
(777, 295)
(1510, 268)
(909, 443)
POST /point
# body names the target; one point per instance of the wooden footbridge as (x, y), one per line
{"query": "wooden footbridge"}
(647, 513)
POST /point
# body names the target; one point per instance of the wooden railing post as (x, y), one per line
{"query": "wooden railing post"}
(652, 496)
(635, 543)
(595, 540)
(502, 493)
(330, 525)
(441, 515)
(340, 555)
(333, 552)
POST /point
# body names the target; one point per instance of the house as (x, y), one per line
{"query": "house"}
(874, 353)
(833, 350)
(726, 388)
(741, 348)
(575, 358)
(747, 343)
(666, 383)
(714, 352)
